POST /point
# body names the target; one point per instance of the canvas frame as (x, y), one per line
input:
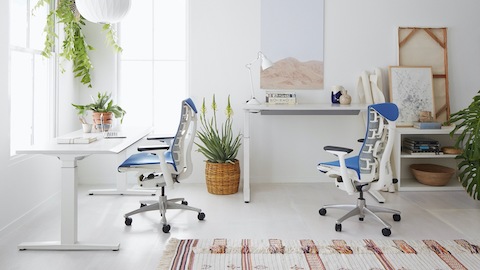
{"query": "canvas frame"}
(411, 89)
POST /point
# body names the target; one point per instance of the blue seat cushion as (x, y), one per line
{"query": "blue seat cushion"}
(146, 158)
(351, 163)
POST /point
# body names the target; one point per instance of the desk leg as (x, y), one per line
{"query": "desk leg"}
(246, 157)
(121, 188)
(69, 207)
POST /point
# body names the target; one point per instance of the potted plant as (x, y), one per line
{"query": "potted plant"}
(103, 110)
(220, 146)
(467, 123)
(74, 46)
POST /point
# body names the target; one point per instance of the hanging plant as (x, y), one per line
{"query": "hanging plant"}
(74, 47)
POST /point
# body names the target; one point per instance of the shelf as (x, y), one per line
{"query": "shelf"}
(403, 160)
(410, 184)
(405, 155)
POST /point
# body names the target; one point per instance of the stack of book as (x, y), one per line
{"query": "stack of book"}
(281, 97)
(419, 145)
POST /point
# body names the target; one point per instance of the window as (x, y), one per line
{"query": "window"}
(30, 76)
(152, 67)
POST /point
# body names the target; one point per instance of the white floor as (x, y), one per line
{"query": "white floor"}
(287, 211)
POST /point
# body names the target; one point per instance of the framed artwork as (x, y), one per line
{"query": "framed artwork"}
(418, 46)
(292, 37)
(411, 88)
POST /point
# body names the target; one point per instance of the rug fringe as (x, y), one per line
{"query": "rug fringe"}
(170, 250)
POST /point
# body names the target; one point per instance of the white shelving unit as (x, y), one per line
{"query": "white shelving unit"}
(402, 161)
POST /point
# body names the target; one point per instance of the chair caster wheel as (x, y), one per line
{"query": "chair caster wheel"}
(322, 211)
(184, 202)
(386, 232)
(361, 218)
(397, 217)
(166, 228)
(201, 216)
(338, 227)
(128, 221)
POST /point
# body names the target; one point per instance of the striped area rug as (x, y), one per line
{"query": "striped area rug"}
(276, 254)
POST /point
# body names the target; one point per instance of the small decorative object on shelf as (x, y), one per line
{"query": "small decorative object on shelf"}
(345, 98)
(336, 93)
(427, 125)
(275, 97)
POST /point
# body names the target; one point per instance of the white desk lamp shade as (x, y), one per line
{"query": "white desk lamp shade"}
(103, 11)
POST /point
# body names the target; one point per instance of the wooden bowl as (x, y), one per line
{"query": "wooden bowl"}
(432, 174)
(451, 150)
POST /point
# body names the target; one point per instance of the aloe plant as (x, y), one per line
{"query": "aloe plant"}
(218, 145)
(467, 123)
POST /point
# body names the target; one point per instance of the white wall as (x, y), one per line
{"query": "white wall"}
(359, 35)
(225, 35)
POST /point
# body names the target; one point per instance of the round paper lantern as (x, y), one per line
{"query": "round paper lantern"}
(103, 11)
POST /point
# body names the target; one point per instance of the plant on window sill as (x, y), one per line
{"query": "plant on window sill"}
(74, 46)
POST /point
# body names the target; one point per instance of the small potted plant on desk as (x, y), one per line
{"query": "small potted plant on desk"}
(220, 147)
(103, 111)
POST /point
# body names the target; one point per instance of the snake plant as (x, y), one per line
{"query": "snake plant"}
(467, 123)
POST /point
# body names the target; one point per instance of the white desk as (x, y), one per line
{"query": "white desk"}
(69, 154)
(298, 109)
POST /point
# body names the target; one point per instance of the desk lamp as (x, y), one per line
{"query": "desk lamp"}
(265, 63)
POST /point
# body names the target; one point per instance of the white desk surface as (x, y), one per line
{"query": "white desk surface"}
(314, 108)
(101, 146)
(69, 154)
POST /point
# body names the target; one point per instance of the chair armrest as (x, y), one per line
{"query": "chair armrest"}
(144, 148)
(331, 148)
(160, 137)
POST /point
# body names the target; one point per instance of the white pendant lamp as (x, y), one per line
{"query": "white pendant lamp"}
(103, 11)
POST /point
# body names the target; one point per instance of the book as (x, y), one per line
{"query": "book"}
(427, 125)
(281, 97)
(76, 140)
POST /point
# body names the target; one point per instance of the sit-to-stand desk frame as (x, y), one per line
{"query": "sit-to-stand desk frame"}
(69, 154)
(297, 109)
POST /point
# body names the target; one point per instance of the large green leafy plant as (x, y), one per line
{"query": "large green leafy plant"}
(218, 145)
(468, 126)
(102, 103)
(74, 47)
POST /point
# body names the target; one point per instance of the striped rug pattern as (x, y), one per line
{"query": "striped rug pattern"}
(277, 254)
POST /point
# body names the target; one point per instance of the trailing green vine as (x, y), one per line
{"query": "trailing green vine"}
(74, 46)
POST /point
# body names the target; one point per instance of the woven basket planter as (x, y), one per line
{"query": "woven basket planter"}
(222, 178)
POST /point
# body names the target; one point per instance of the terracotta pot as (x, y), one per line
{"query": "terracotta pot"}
(222, 178)
(107, 120)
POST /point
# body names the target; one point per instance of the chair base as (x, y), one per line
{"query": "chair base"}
(162, 205)
(361, 210)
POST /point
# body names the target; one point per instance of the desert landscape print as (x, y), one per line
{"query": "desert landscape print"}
(290, 73)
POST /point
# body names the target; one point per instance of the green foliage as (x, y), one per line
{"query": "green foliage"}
(103, 103)
(468, 124)
(74, 46)
(218, 146)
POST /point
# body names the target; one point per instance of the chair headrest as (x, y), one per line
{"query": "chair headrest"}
(190, 103)
(387, 110)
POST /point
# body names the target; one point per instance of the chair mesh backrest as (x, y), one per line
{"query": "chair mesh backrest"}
(381, 117)
(182, 143)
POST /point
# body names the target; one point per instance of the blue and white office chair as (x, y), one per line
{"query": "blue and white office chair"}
(370, 169)
(166, 165)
